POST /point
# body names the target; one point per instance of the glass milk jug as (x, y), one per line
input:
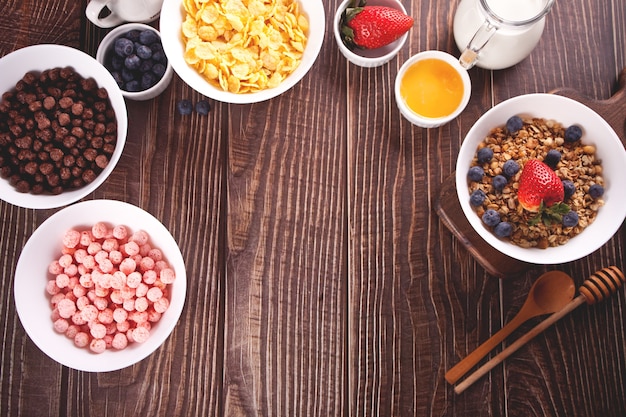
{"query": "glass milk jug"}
(496, 34)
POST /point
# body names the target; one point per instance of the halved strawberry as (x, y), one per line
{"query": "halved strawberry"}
(372, 27)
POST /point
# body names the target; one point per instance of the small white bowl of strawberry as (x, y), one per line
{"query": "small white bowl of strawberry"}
(370, 35)
(540, 178)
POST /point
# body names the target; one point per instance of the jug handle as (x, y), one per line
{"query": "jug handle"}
(479, 40)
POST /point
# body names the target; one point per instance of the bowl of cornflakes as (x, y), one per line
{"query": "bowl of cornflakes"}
(243, 51)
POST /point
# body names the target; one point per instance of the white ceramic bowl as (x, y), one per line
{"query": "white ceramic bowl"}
(609, 150)
(42, 57)
(106, 47)
(33, 303)
(172, 16)
(430, 122)
(369, 58)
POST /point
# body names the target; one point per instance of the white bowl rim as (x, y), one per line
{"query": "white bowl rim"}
(50, 56)
(424, 121)
(171, 37)
(558, 108)
(108, 41)
(40, 328)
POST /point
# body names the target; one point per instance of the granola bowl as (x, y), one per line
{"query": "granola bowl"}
(599, 216)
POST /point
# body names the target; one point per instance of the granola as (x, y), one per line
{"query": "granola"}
(578, 163)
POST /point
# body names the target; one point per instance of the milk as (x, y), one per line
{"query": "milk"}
(512, 41)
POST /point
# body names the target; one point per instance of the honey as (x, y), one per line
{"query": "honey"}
(432, 88)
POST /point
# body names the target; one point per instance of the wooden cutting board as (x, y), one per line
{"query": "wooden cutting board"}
(449, 209)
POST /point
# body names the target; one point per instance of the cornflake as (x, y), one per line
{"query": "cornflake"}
(244, 46)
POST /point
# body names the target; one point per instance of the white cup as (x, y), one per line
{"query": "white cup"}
(140, 11)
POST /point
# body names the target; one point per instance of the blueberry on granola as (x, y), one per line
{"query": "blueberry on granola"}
(514, 124)
(503, 229)
(573, 133)
(596, 191)
(510, 168)
(484, 155)
(477, 198)
(568, 189)
(499, 182)
(491, 217)
(570, 219)
(552, 158)
(475, 173)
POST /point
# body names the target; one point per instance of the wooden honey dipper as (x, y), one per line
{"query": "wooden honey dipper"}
(596, 288)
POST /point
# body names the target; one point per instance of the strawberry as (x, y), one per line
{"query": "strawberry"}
(371, 27)
(541, 191)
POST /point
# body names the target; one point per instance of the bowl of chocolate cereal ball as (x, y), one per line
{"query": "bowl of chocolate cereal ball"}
(63, 125)
(540, 178)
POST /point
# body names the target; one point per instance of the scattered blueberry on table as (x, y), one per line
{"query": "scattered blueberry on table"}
(184, 107)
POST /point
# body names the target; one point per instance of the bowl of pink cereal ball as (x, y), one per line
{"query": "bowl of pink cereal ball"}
(100, 285)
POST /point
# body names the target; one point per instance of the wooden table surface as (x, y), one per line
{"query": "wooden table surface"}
(321, 280)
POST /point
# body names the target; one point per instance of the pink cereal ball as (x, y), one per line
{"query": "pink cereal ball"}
(116, 297)
(89, 313)
(71, 270)
(150, 277)
(54, 300)
(116, 257)
(110, 244)
(120, 232)
(129, 305)
(154, 294)
(140, 237)
(66, 308)
(86, 238)
(167, 276)
(127, 292)
(144, 250)
(156, 254)
(140, 334)
(123, 326)
(120, 341)
(62, 280)
(83, 302)
(89, 262)
(79, 291)
(118, 280)
(101, 255)
(102, 292)
(160, 265)
(142, 290)
(86, 281)
(72, 331)
(130, 248)
(138, 316)
(78, 319)
(93, 248)
(66, 260)
(79, 255)
(98, 330)
(106, 316)
(133, 279)
(111, 328)
(141, 304)
(99, 230)
(71, 239)
(106, 266)
(146, 264)
(55, 315)
(97, 346)
(81, 339)
(153, 316)
(161, 305)
(128, 266)
(61, 325)
(120, 315)
(55, 268)
(101, 302)
(52, 288)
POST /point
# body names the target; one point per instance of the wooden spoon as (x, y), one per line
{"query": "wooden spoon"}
(550, 293)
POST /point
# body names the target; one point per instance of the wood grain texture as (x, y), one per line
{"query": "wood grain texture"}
(321, 281)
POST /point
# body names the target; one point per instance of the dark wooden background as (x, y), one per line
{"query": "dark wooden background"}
(322, 282)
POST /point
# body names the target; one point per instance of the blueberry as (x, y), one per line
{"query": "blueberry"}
(148, 79)
(146, 65)
(573, 133)
(203, 107)
(156, 47)
(127, 75)
(132, 35)
(117, 62)
(491, 218)
(596, 191)
(503, 229)
(552, 158)
(132, 62)
(570, 219)
(510, 168)
(568, 189)
(123, 47)
(514, 124)
(147, 37)
(158, 70)
(132, 86)
(143, 52)
(117, 76)
(499, 182)
(159, 56)
(184, 107)
(484, 155)
(477, 198)
(475, 173)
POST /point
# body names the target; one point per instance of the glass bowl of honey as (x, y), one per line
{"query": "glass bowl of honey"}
(432, 88)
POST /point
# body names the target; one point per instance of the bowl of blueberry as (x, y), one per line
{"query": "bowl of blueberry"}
(133, 53)
(540, 178)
